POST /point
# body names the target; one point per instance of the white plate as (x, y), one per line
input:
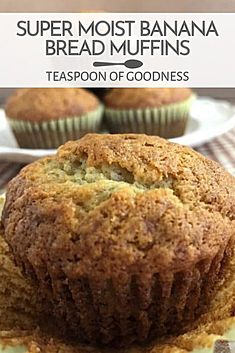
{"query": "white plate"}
(208, 118)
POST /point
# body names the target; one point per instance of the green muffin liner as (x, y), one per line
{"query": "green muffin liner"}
(51, 134)
(166, 121)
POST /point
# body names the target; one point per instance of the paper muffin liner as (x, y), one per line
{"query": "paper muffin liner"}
(167, 121)
(134, 308)
(51, 134)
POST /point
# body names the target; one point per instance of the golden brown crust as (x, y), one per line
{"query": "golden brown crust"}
(173, 200)
(135, 98)
(43, 104)
(120, 226)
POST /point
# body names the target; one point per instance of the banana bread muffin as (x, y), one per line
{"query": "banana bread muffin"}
(48, 117)
(154, 111)
(126, 235)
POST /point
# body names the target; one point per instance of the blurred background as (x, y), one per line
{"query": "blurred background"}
(118, 6)
(220, 93)
(211, 115)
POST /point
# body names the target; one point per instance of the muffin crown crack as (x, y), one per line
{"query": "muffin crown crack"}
(126, 236)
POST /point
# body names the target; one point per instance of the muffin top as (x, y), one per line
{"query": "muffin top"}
(108, 204)
(134, 98)
(43, 104)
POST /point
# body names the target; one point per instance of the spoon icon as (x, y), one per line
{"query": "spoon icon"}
(130, 64)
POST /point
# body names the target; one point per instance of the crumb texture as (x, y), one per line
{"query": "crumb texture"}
(126, 235)
(44, 104)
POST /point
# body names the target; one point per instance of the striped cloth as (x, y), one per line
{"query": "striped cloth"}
(221, 149)
(224, 346)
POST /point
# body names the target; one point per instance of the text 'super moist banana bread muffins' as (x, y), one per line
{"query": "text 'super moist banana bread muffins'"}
(154, 111)
(126, 235)
(48, 117)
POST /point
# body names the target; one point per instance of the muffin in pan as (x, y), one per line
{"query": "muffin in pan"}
(126, 236)
(153, 111)
(48, 117)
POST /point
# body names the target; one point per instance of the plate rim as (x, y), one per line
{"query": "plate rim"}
(228, 125)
